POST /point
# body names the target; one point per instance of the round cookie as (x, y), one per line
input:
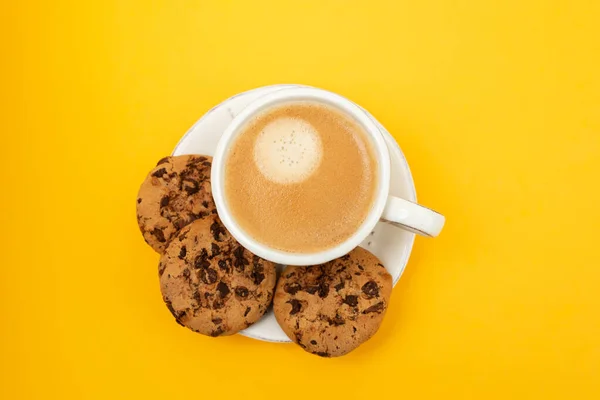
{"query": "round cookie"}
(175, 193)
(331, 309)
(210, 283)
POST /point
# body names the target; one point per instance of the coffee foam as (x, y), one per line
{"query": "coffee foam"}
(288, 150)
(297, 202)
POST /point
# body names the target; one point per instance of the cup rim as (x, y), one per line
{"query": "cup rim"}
(281, 97)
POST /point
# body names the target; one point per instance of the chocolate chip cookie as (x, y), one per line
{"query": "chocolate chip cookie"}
(210, 283)
(175, 193)
(331, 309)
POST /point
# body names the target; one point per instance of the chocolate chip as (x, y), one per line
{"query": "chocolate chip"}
(371, 289)
(313, 342)
(296, 306)
(183, 236)
(354, 329)
(159, 235)
(381, 265)
(217, 321)
(164, 201)
(223, 265)
(377, 308)
(208, 294)
(352, 301)
(159, 172)
(201, 261)
(176, 315)
(323, 290)
(346, 257)
(161, 269)
(196, 296)
(337, 321)
(163, 160)
(357, 273)
(182, 252)
(361, 267)
(178, 224)
(171, 309)
(247, 311)
(290, 275)
(190, 186)
(205, 204)
(215, 250)
(322, 354)
(239, 262)
(292, 288)
(206, 163)
(195, 160)
(299, 336)
(241, 291)
(217, 332)
(218, 303)
(186, 273)
(239, 252)
(312, 289)
(208, 275)
(139, 200)
(222, 288)
(339, 286)
(341, 269)
(216, 229)
(257, 275)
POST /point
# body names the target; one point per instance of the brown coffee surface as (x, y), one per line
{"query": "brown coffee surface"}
(333, 197)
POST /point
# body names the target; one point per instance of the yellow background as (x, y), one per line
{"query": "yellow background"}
(496, 105)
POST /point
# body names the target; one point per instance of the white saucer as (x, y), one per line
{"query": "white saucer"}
(390, 244)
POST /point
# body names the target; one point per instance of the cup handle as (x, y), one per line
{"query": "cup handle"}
(413, 217)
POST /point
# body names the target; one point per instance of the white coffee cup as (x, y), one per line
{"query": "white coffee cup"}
(402, 213)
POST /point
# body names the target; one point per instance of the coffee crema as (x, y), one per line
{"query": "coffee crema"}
(300, 177)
